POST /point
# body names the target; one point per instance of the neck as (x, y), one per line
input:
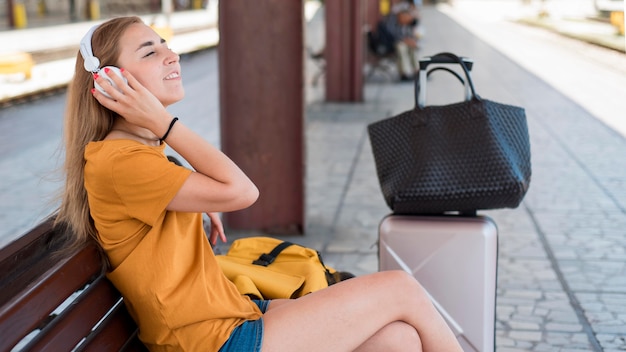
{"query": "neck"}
(125, 130)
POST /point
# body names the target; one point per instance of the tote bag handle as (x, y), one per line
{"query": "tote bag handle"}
(443, 58)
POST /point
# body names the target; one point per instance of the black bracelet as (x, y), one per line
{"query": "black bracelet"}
(169, 129)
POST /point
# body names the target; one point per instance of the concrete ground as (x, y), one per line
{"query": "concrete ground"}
(562, 258)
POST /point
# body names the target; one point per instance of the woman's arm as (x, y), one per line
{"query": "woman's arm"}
(217, 185)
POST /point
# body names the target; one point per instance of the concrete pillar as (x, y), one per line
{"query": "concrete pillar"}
(73, 14)
(10, 20)
(344, 50)
(261, 67)
(373, 12)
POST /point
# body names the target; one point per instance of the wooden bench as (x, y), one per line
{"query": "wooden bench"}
(56, 303)
(19, 62)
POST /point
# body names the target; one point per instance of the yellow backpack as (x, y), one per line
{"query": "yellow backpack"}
(269, 268)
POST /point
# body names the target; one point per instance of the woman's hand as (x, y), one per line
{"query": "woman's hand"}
(217, 229)
(133, 102)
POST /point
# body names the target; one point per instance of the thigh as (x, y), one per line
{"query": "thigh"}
(275, 303)
(339, 318)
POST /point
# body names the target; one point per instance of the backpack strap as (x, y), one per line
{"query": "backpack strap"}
(268, 258)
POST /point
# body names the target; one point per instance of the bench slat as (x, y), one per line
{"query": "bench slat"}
(24, 260)
(33, 305)
(76, 322)
(110, 333)
(35, 282)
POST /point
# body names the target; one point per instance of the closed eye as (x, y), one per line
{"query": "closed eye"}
(149, 43)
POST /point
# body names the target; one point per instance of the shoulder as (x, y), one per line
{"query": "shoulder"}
(121, 148)
(126, 158)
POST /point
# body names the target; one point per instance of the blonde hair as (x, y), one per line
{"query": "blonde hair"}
(86, 121)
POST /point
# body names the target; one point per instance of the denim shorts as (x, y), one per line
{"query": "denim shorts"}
(247, 336)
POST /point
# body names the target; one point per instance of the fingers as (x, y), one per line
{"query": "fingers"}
(131, 80)
(120, 93)
(213, 238)
(130, 99)
(107, 102)
(113, 81)
(215, 233)
(217, 228)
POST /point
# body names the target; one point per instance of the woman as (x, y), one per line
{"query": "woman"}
(145, 213)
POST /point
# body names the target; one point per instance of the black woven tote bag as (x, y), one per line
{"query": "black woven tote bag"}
(461, 157)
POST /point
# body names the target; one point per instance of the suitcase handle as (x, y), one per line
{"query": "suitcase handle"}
(443, 58)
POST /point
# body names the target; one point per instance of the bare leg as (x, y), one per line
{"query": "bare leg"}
(397, 336)
(353, 314)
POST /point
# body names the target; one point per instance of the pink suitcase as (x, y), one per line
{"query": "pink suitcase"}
(455, 259)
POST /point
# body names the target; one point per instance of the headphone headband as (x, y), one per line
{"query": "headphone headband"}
(92, 63)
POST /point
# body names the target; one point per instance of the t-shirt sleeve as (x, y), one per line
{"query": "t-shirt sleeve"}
(146, 182)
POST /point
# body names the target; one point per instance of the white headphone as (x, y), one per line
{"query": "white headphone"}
(92, 63)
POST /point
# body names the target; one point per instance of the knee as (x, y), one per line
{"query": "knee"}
(400, 278)
(402, 281)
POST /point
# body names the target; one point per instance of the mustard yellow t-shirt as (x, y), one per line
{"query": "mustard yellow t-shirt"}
(161, 260)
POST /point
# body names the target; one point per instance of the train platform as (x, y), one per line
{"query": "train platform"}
(562, 253)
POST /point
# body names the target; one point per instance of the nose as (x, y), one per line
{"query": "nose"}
(171, 57)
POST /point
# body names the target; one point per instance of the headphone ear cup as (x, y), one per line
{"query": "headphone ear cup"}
(91, 63)
(112, 71)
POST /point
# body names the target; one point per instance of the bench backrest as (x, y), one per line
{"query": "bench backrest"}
(60, 303)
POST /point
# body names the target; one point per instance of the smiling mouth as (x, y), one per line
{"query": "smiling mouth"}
(172, 76)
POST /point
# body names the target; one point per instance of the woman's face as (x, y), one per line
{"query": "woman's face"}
(148, 58)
